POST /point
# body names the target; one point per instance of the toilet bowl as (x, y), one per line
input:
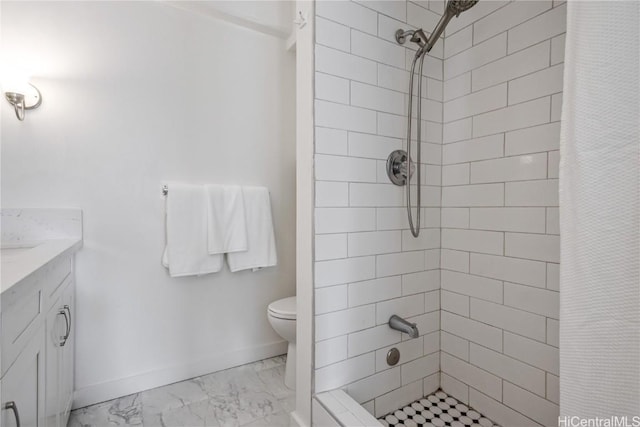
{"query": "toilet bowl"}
(282, 317)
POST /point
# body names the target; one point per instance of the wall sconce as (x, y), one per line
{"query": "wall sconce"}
(25, 97)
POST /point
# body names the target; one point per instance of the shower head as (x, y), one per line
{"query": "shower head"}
(454, 8)
(458, 6)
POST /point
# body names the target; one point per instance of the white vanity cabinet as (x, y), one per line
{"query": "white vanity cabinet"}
(38, 326)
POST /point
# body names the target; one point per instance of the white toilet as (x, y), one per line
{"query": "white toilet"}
(282, 316)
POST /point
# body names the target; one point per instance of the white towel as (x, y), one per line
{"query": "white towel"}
(186, 253)
(226, 220)
(262, 242)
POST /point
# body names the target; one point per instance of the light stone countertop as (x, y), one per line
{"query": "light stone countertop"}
(18, 261)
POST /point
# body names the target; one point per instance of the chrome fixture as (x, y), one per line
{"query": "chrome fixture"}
(400, 161)
(393, 357)
(397, 165)
(20, 103)
(399, 324)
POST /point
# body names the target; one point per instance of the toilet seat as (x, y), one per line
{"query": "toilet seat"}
(283, 308)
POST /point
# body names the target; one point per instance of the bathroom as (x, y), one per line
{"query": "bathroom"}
(125, 101)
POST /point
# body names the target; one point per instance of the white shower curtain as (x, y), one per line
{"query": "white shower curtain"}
(599, 204)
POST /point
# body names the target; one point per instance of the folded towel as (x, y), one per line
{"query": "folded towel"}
(186, 253)
(226, 220)
(261, 240)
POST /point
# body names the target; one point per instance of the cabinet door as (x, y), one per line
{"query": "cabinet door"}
(55, 327)
(23, 386)
(68, 351)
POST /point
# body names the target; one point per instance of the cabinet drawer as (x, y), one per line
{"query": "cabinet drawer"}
(19, 322)
(22, 308)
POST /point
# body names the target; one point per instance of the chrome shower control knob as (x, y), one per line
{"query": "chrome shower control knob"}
(397, 167)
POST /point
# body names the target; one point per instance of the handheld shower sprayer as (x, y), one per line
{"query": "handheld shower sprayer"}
(400, 166)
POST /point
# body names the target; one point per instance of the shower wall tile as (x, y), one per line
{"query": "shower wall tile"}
(477, 102)
(489, 242)
(472, 330)
(530, 220)
(505, 288)
(557, 49)
(372, 146)
(395, 9)
(458, 86)
(333, 35)
(377, 98)
(474, 57)
(512, 370)
(338, 116)
(512, 14)
(532, 193)
(454, 345)
(534, 407)
(533, 140)
(533, 352)
(455, 218)
(376, 290)
(532, 246)
(456, 131)
(488, 147)
(332, 88)
(331, 351)
(424, 281)
(346, 270)
(540, 83)
(368, 266)
(510, 67)
(332, 298)
(509, 319)
(475, 286)
(332, 194)
(455, 260)
(473, 195)
(518, 168)
(374, 242)
(473, 376)
(420, 17)
(556, 107)
(331, 246)
(350, 14)
(342, 220)
(531, 273)
(542, 27)
(331, 141)
(456, 43)
(377, 49)
(513, 117)
(341, 64)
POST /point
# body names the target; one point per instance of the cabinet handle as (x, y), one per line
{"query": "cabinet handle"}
(66, 307)
(63, 312)
(12, 405)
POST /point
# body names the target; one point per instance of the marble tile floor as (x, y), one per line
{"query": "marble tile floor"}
(252, 395)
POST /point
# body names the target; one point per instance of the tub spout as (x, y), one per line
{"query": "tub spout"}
(399, 324)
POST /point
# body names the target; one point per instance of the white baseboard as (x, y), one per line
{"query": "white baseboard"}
(124, 386)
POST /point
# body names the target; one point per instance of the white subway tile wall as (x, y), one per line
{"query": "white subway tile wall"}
(481, 282)
(368, 266)
(500, 243)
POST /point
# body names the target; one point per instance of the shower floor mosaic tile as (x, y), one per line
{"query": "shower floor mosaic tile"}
(252, 395)
(439, 410)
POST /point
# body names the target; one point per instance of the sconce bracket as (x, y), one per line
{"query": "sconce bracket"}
(24, 101)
